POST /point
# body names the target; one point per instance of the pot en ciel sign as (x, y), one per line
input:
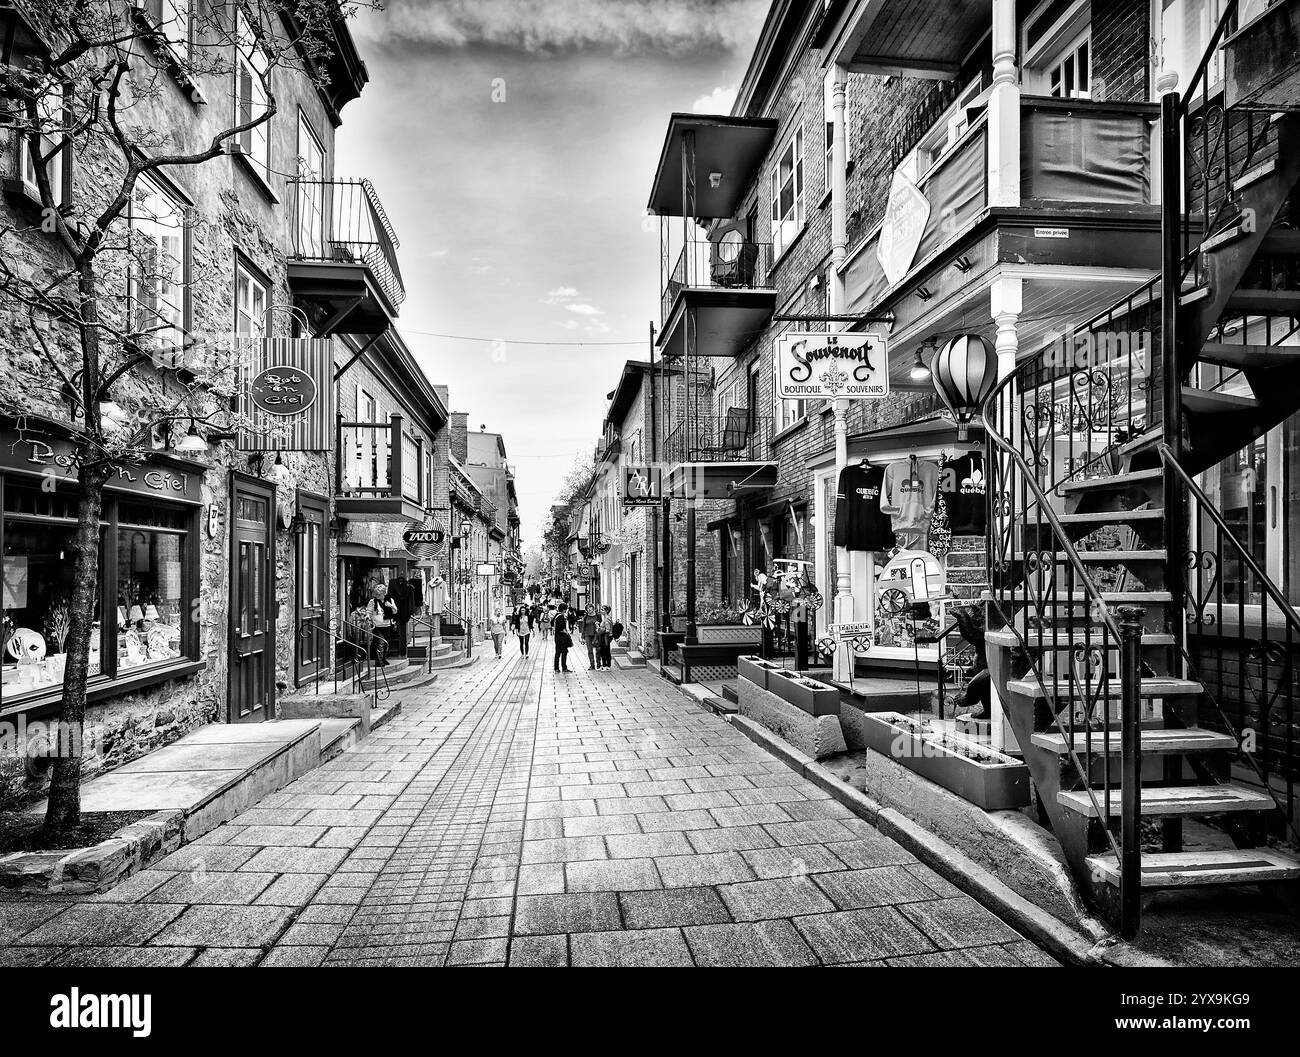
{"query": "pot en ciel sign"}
(842, 365)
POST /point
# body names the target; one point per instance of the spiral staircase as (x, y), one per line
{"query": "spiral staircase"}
(1143, 656)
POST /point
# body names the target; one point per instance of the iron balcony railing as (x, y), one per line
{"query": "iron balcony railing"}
(721, 265)
(379, 460)
(342, 221)
(737, 435)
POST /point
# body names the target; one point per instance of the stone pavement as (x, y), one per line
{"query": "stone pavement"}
(514, 816)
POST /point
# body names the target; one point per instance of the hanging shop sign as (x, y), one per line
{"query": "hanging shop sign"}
(287, 395)
(812, 364)
(642, 485)
(904, 224)
(427, 541)
(486, 568)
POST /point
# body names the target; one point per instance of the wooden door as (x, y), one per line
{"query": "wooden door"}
(311, 544)
(252, 620)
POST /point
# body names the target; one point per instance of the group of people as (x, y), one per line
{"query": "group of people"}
(560, 621)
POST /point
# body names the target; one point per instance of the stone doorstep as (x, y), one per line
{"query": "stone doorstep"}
(279, 752)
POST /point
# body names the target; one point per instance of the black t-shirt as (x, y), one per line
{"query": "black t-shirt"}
(962, 482)
(860, 524)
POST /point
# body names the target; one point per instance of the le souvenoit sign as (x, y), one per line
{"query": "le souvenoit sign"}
(851, 366)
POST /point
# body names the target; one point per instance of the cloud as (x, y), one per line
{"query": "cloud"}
(672, 27)
(560, 295)
(583, 309)
(718, 101)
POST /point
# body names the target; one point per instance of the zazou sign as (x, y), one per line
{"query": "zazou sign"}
(832, 365)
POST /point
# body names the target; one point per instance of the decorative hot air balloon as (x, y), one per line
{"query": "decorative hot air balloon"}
(965, 372)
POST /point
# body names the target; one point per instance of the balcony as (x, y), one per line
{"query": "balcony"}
(609, 445)
(1263, 69)
(344, 257)
(1085, 169)
(379, 480)
(723, 284)
(720, 455)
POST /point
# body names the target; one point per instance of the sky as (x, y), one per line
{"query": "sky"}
(513, 143)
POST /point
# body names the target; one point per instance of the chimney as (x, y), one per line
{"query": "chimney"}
(457, 430)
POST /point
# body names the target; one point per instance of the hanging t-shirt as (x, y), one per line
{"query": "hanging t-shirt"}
(860, 524)
(908, 493)
(963, 486)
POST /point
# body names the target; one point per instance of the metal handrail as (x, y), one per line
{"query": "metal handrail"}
(317, 626)
(426, 620)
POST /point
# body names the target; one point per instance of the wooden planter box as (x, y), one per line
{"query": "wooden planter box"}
(729, 633)
(992, 780)
(817, 699)
(755, 669)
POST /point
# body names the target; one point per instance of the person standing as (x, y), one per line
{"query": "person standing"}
(523, 629)
(606, 637)
(590, 635)
(382, 612)
(560, 625)
(498, 627)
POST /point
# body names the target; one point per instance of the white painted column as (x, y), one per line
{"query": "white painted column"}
(1006, 302)
(1004, 110)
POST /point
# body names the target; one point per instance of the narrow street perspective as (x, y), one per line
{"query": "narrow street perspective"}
(528, 818)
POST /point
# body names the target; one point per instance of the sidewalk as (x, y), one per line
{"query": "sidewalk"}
(518, 816)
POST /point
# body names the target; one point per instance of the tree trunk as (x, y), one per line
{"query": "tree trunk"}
(64, 805)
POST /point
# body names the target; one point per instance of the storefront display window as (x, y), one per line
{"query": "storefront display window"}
(145, 599)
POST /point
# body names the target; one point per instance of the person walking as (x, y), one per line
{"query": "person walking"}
(498, 628)
(606, 636)
(560, 625)
(523, 629)
(382, 612)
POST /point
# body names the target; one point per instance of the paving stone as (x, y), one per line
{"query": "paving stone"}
(541, 879)
(870, 851)
(203, 926)
(611, 875)
(635, 947)
(227, 957)
(601, 825)
(881, 886)
(292, 890)
(667, 821)
(279, 836)
(295, 860)
(131, 957)
(729, 838)
(797, 861)
(478, 952)
(539, 951)
(104, 925)
(194, 857)
(713, 868)
(775, 898)
(211, 888)
(300, 957)
(570, 912)
(640, 845)
(18, 919)
(959, 922)
(862, 935)
(757, 943)
(671, 907)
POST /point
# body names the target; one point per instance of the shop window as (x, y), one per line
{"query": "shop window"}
(159, 293)
(787, 187)
(151, 602)
(146, 578)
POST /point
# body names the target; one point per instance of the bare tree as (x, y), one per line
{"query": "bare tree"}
(104, 88)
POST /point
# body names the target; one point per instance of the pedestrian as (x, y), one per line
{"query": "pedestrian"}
(523, 629)
(590, 635)
(606, 637)
(382, 612)
(563, 640)
(498, 631)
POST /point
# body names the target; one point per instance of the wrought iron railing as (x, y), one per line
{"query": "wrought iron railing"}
(721, 265)
(350, 651)
(343, 221)
(734, 436)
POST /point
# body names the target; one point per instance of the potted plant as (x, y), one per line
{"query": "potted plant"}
(718, 624)
(755, 669)
(987, 778)
(814, 697)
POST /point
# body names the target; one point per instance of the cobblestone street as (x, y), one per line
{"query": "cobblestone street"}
(510, 815)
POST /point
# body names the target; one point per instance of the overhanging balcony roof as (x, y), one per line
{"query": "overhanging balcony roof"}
(726, 321)
(915, 38)
(719, 480)
(732, 146)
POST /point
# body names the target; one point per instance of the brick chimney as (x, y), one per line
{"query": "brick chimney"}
(457, 430)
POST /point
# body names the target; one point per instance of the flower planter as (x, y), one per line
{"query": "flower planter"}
(727, 633)
(817, 699)
(987, 778)
(755, 669)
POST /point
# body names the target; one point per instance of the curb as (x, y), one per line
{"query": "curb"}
(98, 868)
(1066, 944)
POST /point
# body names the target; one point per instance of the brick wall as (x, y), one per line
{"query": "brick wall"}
(457, 430)
(1121, 48)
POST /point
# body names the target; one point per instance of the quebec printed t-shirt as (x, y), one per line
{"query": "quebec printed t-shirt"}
(860, 524)
(963, 485)
(909, 491)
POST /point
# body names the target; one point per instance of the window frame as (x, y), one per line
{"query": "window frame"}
(166, 192)
(257, 325)
(61, 178)
(247, 50)
(794, 147)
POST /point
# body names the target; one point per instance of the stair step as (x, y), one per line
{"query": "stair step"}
(1207, 401)
(1226, 355)
(1158, 686)
(1110, 557)
(1266, 302)
(1224, 237)
(1202, 867)
(1175, 800)
(1168, 742)
(1253, 176)
(1116, 481)
(1192, 295)
(1057, 639)
(1108, 517)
